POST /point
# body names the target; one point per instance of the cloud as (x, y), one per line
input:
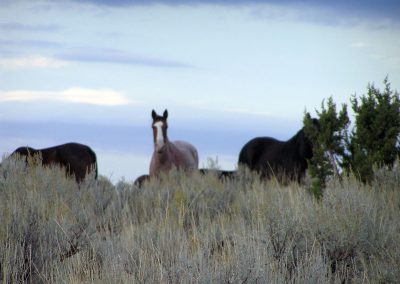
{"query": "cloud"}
(18, 27)
(71, 95)
(373, 14)
(78, 54)
(359, 44)
(18, 47)
(6, 43)
(382, 14)
(31, 62)
(106, 55)
(385, 11)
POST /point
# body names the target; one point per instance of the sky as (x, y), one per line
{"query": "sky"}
(227, 71)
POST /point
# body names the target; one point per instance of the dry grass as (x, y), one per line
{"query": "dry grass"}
(184, 229)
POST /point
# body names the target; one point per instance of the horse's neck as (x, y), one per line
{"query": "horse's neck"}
(167, 152)
(297, 143)
(291, 145)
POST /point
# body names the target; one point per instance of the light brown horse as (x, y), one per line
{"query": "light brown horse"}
(178, 154)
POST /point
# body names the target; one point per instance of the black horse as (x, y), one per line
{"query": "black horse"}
(286, 160)
(76, 159)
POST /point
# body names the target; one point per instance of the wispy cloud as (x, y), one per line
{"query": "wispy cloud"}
(32, 62)
(382, 9)
(16, 27)
(7, 43)
(77, 54)
(105, 55)
(358, 44)
(378, 15)
(71, 95)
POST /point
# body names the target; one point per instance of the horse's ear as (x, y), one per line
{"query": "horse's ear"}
(153, 114)
(165, 115)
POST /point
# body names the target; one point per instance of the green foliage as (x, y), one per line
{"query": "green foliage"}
(328, 136)
(373, 141)
(193, 228)
(375, 138)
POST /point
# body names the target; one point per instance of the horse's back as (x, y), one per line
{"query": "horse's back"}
(259, 150)
(76, 150)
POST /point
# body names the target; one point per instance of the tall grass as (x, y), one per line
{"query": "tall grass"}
(184, 229)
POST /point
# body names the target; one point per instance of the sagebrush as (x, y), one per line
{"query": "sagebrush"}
(192, 228)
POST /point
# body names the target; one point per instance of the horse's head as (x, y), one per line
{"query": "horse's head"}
(159, 126)
(306, 139)
(24, 152)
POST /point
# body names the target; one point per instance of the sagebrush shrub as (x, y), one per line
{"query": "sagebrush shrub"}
(191, 228)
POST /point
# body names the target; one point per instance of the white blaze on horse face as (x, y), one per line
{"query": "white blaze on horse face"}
(159, 138)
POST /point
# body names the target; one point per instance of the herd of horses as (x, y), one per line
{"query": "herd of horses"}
(265, 155)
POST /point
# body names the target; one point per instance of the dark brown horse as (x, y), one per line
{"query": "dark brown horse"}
(221, 174)
(167, 154)
(286, 160)
(76, 159)
(139, 181)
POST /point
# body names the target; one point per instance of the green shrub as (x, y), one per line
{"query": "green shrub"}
(373, 141)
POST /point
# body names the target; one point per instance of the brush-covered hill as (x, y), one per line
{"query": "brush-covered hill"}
(184, 229)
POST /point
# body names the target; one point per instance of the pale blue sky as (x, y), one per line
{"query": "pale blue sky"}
(92, 71)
